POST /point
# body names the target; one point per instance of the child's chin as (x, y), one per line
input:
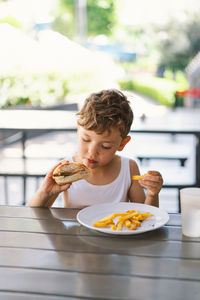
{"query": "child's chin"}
(91, 165)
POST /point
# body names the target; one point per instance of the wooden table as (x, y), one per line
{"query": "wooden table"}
(46, 254)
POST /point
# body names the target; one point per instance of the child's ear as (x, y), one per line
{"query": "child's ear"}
(124, 142)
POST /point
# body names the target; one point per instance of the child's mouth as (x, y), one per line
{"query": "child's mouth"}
(91, 161)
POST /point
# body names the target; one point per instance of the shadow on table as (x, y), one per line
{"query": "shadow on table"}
(66, 225)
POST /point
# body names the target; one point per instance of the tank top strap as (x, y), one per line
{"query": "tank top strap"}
(125, 170)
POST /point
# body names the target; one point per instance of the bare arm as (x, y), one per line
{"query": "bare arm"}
(48, 192)
(136, 192)
(153, 185)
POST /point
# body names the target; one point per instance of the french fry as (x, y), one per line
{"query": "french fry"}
(120, 224)
(128, 223)
(133, 227)
(108, 220)
(139, 177)
(101, 223)
(130, 219)
(113, 227)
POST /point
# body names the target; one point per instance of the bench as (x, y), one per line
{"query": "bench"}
(20, 168)
(173, 152)
(182, 159)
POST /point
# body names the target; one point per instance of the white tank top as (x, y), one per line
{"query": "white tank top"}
(82, 193)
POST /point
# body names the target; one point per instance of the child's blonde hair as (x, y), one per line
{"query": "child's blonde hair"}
(106, 109)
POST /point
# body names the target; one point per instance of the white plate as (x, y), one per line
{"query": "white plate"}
(87, 216)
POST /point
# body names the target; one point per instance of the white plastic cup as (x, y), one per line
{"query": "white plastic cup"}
(190, 211)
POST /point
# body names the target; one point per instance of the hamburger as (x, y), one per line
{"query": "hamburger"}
(69, 172)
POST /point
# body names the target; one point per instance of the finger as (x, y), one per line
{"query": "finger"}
(151, 184)
(154, 173)
(155, 181)
(153, 187)
(65, 187)
(153, 178)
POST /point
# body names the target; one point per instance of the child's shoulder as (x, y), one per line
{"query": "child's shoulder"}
(134, 169)
(132, 162)
(122, 158)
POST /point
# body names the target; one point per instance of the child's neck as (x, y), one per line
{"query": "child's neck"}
(106, 174)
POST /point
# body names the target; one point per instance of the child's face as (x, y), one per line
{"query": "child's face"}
(96, 150)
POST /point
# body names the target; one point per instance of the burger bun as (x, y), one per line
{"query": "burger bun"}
(69, 172)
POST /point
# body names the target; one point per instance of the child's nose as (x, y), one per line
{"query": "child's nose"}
(93, 150)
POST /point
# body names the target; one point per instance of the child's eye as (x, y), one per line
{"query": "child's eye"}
(85, 140)
(106, 147)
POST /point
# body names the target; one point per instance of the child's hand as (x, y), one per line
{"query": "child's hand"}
(48, 192)
(50, 187)
(152, 183)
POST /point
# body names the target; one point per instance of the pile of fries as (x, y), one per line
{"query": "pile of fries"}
(130, 219)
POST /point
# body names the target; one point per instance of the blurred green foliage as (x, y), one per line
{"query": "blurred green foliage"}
(172, 46)
(160, 89)
(101, 17)
(12, 21)
(64, 21)
(35, 90)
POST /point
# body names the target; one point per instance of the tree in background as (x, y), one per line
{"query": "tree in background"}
(179, 42)
(101, 17)
(64, 18)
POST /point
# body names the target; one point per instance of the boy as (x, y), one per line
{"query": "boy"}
(103, 126)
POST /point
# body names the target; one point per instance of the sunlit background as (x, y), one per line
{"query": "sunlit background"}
(79, 46)
(55, 52)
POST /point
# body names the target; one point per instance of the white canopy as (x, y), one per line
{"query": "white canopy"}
(53, 52)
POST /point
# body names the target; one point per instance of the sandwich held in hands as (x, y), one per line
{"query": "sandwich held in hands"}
(69, 172)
